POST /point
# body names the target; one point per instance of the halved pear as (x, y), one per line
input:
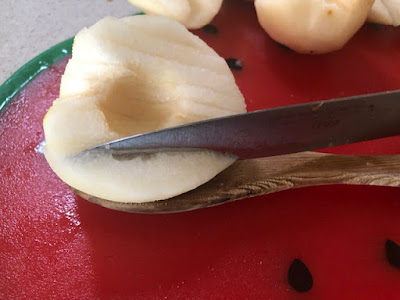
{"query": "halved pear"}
(193, 14)
(129, 76)
(386, 12)
(312, 26)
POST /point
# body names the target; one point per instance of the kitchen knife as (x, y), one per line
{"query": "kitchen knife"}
(276, 131)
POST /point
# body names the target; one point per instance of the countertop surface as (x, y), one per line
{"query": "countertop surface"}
(27, 28)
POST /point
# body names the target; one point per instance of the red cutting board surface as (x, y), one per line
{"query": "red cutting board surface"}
(55, 245)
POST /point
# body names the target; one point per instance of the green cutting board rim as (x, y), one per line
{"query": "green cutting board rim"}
(17, 81)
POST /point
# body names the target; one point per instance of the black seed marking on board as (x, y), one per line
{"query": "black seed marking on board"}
(234, 64)
(299, 277)
(393, 253)
(210, 29)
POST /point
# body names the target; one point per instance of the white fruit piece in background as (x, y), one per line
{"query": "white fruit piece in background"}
(312, 26)
(129, 76)
(386, 12)
(193, 14)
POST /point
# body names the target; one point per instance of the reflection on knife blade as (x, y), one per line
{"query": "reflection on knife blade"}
(277, 131)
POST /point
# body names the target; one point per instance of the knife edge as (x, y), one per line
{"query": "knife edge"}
(275, 131)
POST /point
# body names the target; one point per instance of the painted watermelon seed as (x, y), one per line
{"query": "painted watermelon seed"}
(234, 64)
(393, 253)
(299, 277)
(210, 29)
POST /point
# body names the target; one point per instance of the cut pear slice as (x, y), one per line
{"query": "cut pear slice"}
(312, 26)
(129, 76)
(386, 12)
(193, 14)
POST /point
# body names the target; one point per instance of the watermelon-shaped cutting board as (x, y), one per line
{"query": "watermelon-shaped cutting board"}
(331, 242)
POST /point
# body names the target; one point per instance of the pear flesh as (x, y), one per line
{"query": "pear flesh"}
(193, 14)
(129, 76)
(386, 12)
(312, 26)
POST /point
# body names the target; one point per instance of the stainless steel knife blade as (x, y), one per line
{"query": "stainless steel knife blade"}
(276, 131)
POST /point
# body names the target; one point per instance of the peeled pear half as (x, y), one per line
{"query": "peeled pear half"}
(193, 14)
(129, 76)
(386, 12)
(312, 26)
